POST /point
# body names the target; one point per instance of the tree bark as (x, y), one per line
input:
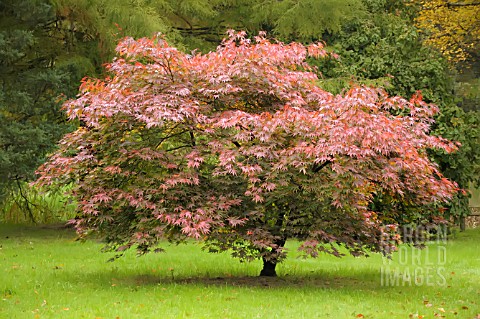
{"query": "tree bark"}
(268, 268)
(270, 264)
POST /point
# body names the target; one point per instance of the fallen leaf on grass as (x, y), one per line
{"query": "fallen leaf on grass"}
(428, 305)
(360, 315)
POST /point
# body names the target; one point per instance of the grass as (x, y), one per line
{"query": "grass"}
(45, 273)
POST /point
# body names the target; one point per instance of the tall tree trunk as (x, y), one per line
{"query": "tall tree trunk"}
(269, 265)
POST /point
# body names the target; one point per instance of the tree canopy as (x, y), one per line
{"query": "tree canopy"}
(241, 148)
(452, 26)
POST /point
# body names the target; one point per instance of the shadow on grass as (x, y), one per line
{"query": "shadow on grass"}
(322, 281)
(57, 230)
(368, 280)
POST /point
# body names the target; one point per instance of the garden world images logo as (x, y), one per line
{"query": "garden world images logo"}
(415, 264)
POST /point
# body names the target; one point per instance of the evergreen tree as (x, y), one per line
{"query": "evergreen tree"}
(299, 20)
(32, 81)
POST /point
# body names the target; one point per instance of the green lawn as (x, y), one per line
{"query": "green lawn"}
(45, 273)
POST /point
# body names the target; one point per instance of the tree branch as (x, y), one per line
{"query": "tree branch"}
(27, 202)
(184, 20)
(192, 138)
(317, 167)
(236, 144)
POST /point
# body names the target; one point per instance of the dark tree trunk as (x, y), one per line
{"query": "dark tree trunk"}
(269, 265)
(462, 223)
(269, 268)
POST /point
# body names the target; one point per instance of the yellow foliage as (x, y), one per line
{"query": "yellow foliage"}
(452, 26)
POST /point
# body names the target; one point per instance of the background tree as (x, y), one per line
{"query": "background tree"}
(32, 81)
(303, 20)
(452, 26)
(240, 147)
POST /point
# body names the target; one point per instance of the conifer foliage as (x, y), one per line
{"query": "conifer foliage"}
(240, 147)
(32, 78)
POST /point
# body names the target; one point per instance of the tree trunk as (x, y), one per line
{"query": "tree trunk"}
(269, 265)
(462, 223)
(269, 268)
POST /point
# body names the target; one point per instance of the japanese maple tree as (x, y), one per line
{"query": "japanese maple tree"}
(241, 149)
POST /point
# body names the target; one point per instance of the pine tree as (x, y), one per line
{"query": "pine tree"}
(31, 84)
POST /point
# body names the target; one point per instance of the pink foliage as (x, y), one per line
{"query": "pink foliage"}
(226, 144)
